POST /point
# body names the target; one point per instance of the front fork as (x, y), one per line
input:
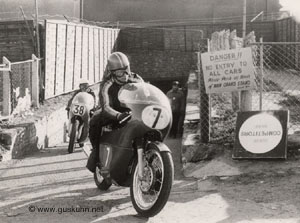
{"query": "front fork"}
(140, 152)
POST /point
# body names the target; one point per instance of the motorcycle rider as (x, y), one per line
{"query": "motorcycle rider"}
(83, 87)
(117, 74)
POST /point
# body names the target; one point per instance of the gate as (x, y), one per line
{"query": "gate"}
(75, 51)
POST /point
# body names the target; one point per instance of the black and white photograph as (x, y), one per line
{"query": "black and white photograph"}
(150, 111)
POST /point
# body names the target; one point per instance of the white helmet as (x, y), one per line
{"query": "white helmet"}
(117, 61)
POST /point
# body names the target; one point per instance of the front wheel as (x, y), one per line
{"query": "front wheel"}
(73, 136)
(150, 194)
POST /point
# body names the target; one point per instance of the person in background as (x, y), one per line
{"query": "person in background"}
(176, 98)
(83, 87)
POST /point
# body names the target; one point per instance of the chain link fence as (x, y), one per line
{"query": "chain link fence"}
(278, 79)
(277, 71)
(21, 85)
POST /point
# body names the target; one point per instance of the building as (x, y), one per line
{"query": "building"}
(143, 10)
(10, 10)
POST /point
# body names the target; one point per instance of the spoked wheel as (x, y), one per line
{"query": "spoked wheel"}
(73, 136)
(101, 183)
(150, 194)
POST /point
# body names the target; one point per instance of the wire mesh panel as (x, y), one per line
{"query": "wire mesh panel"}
(278, 79)
(20, 79)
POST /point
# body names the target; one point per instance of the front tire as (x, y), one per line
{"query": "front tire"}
(150, 195)
(73, 136)
(101, 183)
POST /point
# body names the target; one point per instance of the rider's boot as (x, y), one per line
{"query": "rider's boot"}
(94, 156)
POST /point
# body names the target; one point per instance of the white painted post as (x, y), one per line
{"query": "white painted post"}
(6, 105)
(35, 81)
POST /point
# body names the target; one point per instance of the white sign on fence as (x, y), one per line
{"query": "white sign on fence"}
(228, 70)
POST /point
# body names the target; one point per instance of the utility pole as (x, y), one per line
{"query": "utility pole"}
(81, 9)
(246, 96)
(244, 18)
(37, 29)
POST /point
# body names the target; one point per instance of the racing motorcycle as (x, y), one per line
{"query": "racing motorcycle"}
(132, 152)
(79, 117)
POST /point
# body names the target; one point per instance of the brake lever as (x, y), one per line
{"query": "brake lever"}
(125, 119)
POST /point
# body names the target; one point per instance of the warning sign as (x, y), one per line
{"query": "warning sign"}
(228, 70)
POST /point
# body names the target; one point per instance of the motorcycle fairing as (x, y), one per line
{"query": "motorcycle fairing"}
(115, 161)
(161, 146)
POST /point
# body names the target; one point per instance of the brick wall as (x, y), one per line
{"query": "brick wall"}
(159, 38)
(161, 54)
(15, 40)
(154, 65)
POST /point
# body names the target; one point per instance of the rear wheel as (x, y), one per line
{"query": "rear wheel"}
(100, 181)
(73, 136)
(150, 194)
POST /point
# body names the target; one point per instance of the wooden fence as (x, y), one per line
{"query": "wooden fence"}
(75, 51)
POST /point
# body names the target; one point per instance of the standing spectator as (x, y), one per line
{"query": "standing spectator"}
(176, 98)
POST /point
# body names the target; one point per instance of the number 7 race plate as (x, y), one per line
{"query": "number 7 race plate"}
(156, 117)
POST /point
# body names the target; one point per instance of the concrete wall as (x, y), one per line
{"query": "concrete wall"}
(44, 128)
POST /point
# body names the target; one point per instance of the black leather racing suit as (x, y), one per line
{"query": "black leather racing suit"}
(108, 112)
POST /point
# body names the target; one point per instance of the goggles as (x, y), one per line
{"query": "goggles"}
(121, 73)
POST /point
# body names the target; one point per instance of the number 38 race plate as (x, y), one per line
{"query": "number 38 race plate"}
(156, 117)
(78, 109)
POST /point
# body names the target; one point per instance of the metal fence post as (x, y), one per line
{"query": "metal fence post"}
(261, 54)
(246, 95)
(6, 105)
(35, 81)
(204, 104)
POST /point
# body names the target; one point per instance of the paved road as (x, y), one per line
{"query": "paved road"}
(54, 186)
